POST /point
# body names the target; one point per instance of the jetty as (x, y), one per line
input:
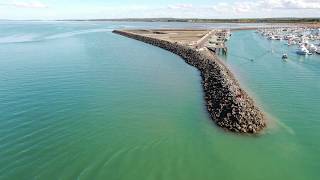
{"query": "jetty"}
(228, 105)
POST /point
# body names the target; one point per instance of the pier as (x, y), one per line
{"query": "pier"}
(217, 41)
(228, 105)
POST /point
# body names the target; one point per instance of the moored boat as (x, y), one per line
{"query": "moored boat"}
(312, 48)
(302, 50)
(285, 56)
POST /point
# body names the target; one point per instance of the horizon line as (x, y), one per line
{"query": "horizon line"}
(164, 18)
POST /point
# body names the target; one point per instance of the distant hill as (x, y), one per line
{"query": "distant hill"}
(249, 20)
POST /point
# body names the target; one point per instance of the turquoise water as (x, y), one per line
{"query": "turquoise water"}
(78, 102)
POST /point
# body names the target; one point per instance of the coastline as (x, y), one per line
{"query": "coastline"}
(228, 105)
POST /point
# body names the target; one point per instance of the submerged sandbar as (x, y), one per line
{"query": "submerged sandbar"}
(228, 105)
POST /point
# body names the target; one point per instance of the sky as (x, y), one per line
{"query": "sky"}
(99, 9)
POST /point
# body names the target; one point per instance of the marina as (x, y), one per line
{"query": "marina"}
(305, 40)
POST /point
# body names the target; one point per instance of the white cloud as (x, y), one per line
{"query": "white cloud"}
(234, 9)
(237, 9)
(221, 7)
(266, 5)
(243, 7)
(25, 4)
(290, 4)
(180, 6)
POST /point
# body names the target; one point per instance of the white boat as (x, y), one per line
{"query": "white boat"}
(271, 38)
(302, 50)
(312, 48)
(318, 51)
(288, 37)
(277, 37)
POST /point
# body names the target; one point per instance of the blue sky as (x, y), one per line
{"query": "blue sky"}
(88, 9)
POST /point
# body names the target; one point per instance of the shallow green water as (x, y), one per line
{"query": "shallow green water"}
(78, 102)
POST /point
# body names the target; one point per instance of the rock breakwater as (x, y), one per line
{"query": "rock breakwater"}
(228, 104)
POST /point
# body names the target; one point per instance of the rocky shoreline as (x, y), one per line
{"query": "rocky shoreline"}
(228, 104)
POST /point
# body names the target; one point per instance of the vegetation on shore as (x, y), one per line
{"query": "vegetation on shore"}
(196, 20)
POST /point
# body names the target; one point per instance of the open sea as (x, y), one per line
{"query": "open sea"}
(78, 102)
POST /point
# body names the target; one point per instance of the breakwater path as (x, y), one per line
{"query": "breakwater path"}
(229, 106)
